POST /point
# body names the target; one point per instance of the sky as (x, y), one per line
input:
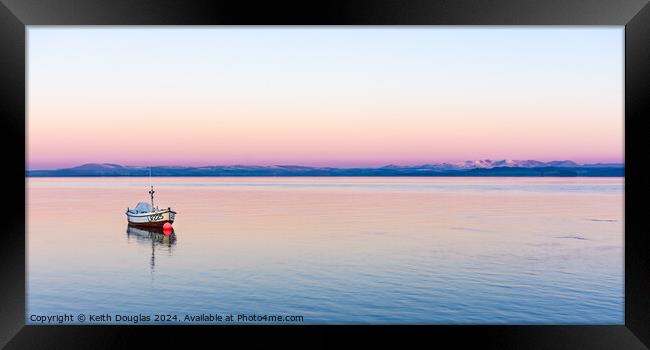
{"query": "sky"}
(322, 96)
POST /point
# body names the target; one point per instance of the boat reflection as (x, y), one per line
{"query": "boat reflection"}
(156, 237)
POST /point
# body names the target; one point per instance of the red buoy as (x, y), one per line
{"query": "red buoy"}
(167, 228)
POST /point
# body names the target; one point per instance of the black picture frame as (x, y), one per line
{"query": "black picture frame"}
(15, 15)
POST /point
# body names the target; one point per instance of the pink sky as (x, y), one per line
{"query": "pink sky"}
(91, 103)
(360, 135)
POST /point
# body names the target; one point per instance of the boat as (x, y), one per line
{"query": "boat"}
(149, 215)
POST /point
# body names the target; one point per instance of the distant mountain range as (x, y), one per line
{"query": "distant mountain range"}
(483, 167)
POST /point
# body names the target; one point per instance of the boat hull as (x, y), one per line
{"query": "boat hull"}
(153, 219)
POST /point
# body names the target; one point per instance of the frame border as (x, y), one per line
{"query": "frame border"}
(15, 15)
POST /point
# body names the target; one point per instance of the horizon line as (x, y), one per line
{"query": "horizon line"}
(325, 166)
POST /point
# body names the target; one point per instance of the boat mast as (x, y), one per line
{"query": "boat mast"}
(152, 191)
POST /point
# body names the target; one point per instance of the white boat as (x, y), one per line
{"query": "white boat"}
(149, 215)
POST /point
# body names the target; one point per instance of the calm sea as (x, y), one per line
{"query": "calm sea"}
(332, 250)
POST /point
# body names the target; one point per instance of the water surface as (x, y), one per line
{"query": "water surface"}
(334, 250)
